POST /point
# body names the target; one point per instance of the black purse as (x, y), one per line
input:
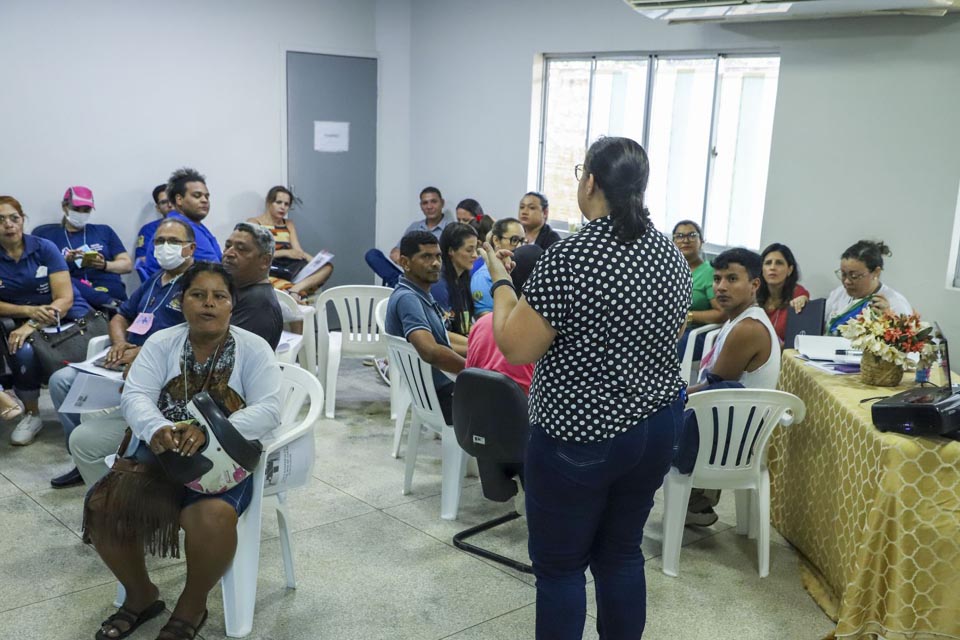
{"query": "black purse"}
(55, 350)
(286, 268)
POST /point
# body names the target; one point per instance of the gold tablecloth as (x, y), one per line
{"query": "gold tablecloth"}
(877, 515)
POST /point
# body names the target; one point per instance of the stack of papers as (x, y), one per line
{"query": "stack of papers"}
(829, 354)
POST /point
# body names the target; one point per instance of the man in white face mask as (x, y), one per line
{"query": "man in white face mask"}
(93, 252)
(154, 306)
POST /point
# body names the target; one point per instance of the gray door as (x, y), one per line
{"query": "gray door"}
(338, 189)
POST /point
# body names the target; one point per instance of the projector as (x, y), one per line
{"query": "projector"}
(921, 411)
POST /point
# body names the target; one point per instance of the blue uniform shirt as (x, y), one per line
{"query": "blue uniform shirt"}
(144, 238)
(27, 281)
(207, 246)
(163, 301)
(106, 287)
(480, 283)
(410, 308)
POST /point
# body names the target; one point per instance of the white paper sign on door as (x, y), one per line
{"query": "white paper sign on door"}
(331, 137)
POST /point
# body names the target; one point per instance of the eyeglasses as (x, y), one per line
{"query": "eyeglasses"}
(680, 237)
(163, 203)
(515, 241)
(159, 242)
(578, 171)
(13, 217)
(851, 276)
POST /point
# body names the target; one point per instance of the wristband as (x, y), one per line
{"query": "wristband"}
(503, 282)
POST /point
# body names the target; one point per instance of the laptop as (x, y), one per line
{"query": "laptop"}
(808, 322)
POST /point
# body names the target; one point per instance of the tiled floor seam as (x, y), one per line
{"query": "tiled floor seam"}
(497, 617)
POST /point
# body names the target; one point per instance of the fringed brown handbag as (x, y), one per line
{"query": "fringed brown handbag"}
(135, 504)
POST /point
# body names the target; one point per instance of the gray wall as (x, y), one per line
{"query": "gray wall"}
(865, 137)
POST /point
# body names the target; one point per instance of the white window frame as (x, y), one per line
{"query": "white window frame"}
(651, 59)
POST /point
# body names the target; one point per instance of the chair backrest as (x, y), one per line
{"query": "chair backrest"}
(417, 377)
(490, 415)
(295, 433)
(96, 345)
(687, 360)
(709, 340)
(735, 425)
(380, 313)
(288, 306)
(354, 305)
(807, 322)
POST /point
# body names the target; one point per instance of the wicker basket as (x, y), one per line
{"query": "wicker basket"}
(879, 373)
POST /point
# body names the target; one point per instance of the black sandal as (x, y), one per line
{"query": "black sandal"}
(177, 629)
(131, 618)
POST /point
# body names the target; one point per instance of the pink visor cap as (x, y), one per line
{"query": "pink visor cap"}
(78, 197)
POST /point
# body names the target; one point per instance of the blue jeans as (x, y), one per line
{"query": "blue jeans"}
(60, 383)
(586, 506)
(383, 267)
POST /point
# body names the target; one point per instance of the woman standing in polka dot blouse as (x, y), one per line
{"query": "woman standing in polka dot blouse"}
(600, 315)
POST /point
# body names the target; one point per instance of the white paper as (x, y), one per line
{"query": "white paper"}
(91, 393)
(331, 137)
(313, 266)
(825, 348)
(289, 466)
(87, 366)
(288, 341)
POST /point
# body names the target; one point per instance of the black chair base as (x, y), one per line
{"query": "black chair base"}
(459, 543)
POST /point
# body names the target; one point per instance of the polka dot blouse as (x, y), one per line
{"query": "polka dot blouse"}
(617, 309)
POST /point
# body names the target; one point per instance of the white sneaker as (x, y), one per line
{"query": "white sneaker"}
(26, 430)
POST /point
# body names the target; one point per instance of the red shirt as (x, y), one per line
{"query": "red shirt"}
(778, 317)
(482, 353)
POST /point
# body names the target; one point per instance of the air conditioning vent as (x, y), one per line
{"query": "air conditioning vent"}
(755, 10)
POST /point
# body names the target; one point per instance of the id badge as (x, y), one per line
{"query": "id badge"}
(141, 324)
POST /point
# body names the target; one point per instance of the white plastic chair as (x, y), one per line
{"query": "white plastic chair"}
(96, 345)
(686, 362)
(399, 397)
(306, 353)
(358, 335)
(735, 426)
(239, 583)
(417, 378)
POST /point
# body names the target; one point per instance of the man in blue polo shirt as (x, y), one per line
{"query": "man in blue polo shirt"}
(414, 314)
(161, 202)
(93, 252)
(188, 194)
(154, 306)
(434, 221)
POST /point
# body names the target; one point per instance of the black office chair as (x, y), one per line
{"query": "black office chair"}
(491, 424)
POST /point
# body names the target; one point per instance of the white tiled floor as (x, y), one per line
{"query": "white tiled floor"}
(372, 563)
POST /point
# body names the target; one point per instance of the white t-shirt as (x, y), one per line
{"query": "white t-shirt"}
(763, 377)
(839, 301)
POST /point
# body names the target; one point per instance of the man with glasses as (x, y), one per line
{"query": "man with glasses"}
(507, 233)
(161, 202)
(154, 306)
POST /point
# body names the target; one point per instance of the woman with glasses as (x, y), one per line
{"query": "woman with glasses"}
(859, 275)
(779, 286)
(41, 299)
(458, 247)
(688, 236)
(507, 234)
(600, 317)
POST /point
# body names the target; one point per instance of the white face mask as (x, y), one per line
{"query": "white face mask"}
(168, 255)
(77, 219)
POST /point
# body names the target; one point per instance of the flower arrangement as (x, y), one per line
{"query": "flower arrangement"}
(891, 337)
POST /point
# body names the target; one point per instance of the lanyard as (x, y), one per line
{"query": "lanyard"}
(146, 305)
(67, 236)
